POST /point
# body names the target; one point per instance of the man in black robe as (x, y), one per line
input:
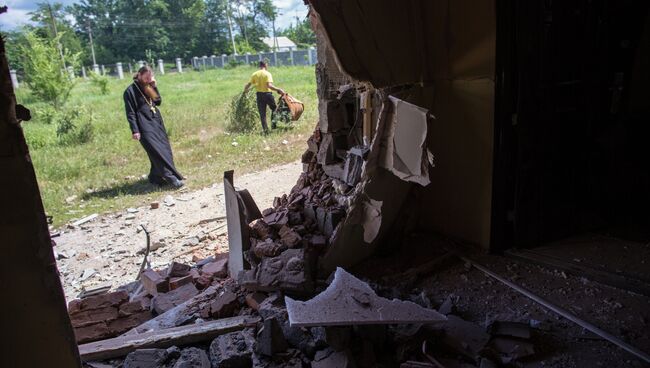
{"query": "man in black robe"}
(141, 101)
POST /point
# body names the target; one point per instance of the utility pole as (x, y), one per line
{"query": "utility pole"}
(275, 39)
(92, 47)
(232, 37)
(56, 34)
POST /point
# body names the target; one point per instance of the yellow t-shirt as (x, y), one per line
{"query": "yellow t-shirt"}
(260, 80)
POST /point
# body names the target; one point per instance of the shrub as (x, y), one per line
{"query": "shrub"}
(45, 114)
(44, 72)
(242, 113)
(233, 63)
(74, 126)
(99, 81)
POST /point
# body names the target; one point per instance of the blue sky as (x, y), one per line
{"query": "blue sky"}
(18, 9)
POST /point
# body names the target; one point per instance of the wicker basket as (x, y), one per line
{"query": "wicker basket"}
(295, 107)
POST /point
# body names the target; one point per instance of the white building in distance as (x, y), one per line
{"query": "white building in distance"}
(282, 43)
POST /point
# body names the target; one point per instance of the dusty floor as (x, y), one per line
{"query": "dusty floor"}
(481, 300)
(104, 251)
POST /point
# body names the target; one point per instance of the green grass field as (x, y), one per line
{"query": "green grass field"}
(106, 174)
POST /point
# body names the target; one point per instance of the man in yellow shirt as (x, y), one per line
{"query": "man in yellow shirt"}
(263, 82)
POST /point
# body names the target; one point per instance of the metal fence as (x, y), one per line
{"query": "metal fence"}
(119, 70)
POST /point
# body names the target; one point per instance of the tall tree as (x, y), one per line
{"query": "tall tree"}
(301, 33)
(50, 21)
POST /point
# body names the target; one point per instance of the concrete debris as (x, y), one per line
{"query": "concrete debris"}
(192, 358)
(270, 338)
(333, 359)
(238, 230)
(85, 220)
(88, 273)
(290, 271)
(232, 350)
(405, 154)
(224, 305)
(254, 300)
(147, 358)
(350, 301)
(163, 302)
(464, 337)
(169, 201)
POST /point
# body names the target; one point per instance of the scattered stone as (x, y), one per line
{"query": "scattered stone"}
(332, 359)
(232, 350)
(176, 282)
(128, 217)
(169, 201)
(193, 358)
(254, 300)
(146, 358)
(267, 248)
(192, 241)
(87, 273)
(464, 337)
(448, 306)
(289, 237)
(154, 205)
(224, 305)
(270, 339)
(289, 271)
(132, 210)
(176, 269)
(163, 302)
(218, 268)
(153, 283)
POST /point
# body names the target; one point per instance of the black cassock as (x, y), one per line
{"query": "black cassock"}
(153, 135)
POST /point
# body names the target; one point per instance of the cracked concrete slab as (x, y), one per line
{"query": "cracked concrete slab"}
(350, 301)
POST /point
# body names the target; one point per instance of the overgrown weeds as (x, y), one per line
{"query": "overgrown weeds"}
(242, 116)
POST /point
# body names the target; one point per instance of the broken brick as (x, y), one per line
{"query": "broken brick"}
(267, 248)
(289, 238)
(163, 302)
(135, 306)
(91, 316)
(98, 301)
(153, 283)
(224, 305)
(121, 325)
(176, 282)
(218, 268)
(261, 229)
(178, 270)
(94, 332)
(203, 282)
(254, 300)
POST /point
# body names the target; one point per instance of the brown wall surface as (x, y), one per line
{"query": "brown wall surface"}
(34, 320)
(449, 48)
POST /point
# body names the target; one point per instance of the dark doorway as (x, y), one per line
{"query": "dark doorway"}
(572, 121)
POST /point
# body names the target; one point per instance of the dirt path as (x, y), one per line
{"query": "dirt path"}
(103, 252)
